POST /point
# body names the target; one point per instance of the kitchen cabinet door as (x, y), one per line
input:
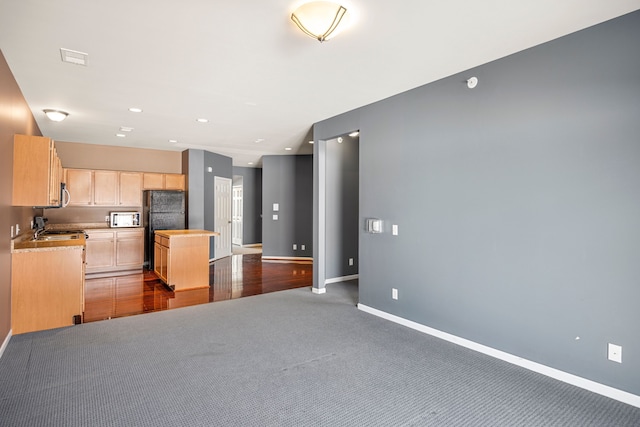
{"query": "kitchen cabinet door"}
(161, 261)
(46, 288)
(173, 181)
(153, 181)
(100, 251)
(130, 186)
(105, 188)
(80, 185)
(36, 181)
(130, 248)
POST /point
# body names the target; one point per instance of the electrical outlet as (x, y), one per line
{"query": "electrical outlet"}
(302, 247)
(106, 218)
(31, 224)
(295, 247)
(615, 353)
(12, 231)
(350, 261)
(394, 293)
(17, 229)
(394, 229)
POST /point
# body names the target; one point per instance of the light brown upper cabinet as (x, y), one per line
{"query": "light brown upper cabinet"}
(104, 188)
(163, 181)
(130, 189)
(173, 181)
(80, 185)
(37, 172)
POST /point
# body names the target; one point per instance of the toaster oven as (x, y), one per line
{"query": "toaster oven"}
(124, 219)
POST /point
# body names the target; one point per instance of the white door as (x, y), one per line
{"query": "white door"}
(222, 219)
(237, 215)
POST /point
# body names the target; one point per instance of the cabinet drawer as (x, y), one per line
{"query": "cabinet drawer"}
(161, 240)
(129, 234)
(101, 235)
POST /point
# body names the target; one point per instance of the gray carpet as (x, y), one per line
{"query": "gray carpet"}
(288, 358)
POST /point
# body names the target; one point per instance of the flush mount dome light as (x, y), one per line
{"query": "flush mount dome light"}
(319, 19)
(55, 115)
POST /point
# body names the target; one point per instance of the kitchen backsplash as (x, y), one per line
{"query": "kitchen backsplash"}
(72, 214)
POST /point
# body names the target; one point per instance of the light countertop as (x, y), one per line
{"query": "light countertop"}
(186, 233)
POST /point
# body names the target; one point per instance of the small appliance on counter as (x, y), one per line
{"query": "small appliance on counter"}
(124, 219)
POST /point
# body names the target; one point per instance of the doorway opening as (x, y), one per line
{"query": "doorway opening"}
(336, 211)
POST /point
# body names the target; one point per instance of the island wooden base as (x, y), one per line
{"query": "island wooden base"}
(181, 258)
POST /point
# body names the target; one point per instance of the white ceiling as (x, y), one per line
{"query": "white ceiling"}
(247, 68)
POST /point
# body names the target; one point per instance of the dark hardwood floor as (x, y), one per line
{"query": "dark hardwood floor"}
(232, 277)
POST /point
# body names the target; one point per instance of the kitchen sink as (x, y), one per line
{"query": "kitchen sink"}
(59, 235)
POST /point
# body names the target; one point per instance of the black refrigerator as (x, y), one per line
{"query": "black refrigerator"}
(163, 210)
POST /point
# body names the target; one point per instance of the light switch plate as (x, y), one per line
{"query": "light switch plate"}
(276, 207)
(615, 353)
(275, 217)
(394, 229)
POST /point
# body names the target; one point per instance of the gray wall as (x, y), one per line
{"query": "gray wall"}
(251, 204)
(342, 207)
(517, 203)
(200, 188)
(288, 181)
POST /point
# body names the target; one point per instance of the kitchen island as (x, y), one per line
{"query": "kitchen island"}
(181, 258)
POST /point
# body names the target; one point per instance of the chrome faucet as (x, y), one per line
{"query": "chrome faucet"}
(37, 233)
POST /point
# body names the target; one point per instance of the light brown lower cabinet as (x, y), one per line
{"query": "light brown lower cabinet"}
(110, 250)
(47, 288)
(181, 258)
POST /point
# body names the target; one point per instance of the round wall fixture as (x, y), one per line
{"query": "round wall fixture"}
(472, 82)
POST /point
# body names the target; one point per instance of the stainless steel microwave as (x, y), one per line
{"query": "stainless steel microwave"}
(124, 219)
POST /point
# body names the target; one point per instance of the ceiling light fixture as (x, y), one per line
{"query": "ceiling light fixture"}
(202, 120)
(319, 19)
(126, 129)
(121, 135)
(288, 149)
(55, 115)
(135, 110)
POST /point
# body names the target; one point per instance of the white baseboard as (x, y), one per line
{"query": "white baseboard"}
(5, 343)
(319, 291)
(604, 390)
(301, 260)
(341, 279)
(252, 245)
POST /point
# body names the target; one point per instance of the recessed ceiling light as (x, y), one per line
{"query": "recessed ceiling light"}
(339, 140)
(259, 140)
(311, 142)
(250, 163)
(125, 129)
(288, 149)
(354, 134)
(120, 135)
(173, 141)
(135, 110)
(202, 120)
